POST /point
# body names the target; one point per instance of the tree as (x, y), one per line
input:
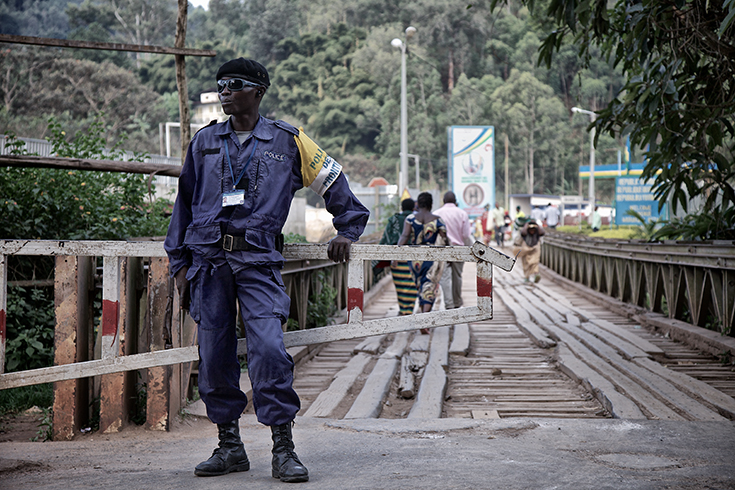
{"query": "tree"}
(75, 91)
(678, 58)
(529, 113)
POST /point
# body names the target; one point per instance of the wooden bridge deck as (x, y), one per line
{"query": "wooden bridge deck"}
(550, 351)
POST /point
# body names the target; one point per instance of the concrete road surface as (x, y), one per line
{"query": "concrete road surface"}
(396, 454)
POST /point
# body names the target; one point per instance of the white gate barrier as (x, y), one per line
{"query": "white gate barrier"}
(113, 252)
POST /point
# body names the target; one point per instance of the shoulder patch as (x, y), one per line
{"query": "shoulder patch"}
(318, 170)
(287, 127)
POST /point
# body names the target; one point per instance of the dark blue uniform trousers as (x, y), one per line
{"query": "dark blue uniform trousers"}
(264, 305)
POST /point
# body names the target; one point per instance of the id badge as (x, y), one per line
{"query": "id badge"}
(233, 198)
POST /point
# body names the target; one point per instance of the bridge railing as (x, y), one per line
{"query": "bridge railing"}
(168, 337)
(689, 281)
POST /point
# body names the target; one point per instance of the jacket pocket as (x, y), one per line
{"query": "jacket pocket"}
(260, 241)
(203, 239)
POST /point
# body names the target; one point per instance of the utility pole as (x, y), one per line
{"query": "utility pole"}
(184, 116)
(507, 182)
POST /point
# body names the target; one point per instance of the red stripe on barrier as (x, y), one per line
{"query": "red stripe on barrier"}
(354, 298)
(484, 287)
(109, 317)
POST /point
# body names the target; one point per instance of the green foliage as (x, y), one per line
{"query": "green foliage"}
(15, 400)
(78, 205)
(321, 302)
(718, 224)
(45, 426)
(647, 229)
(30, 329)
(679, 62)
(294, 238)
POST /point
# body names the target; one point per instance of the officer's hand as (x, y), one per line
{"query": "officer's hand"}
(339, 249)
(182, 284)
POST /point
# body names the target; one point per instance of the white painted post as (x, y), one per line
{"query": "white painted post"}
(355, 290)
(485, 286)
(110, 307)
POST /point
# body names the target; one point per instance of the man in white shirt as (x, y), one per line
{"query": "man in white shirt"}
(458, 233)
(499, 223)
(538, 215)
(552, 216)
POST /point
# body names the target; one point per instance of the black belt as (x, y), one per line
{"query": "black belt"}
(232, 243)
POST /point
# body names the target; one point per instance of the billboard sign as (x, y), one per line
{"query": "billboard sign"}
(472, 167)
(634, 193)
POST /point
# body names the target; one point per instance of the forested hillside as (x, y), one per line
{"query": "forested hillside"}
(333, 71)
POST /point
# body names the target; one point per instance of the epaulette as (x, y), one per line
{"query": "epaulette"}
(211, 123)
(287, 127)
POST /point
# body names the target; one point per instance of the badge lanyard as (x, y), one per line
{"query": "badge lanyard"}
(229, 163)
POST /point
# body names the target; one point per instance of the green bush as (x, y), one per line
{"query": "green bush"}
(40, 203)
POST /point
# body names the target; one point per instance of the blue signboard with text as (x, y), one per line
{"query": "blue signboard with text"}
(636, 194)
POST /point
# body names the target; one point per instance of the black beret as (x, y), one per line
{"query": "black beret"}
(248, 69)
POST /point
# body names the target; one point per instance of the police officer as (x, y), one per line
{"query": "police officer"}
(224, 244)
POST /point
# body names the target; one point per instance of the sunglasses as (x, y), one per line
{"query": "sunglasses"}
(235, 84)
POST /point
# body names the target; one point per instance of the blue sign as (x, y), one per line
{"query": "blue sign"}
(634, 193)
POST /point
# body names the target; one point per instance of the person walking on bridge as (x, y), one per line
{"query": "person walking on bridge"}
(530, 249)
(402, 279)
(224, 245)
(458, 233)
(498, 216)
(425, 228)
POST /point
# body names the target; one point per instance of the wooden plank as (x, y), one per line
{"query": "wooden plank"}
(407, 379)
(591, 317)
(31, 161)
(71, 398)
(158, 323)
(629, 350)
(396, 349)
(616, 403)
(523, 321)
(370, 345)
(420, 343)
(370, 400)
(460, 345)
(70, 43)
(430, 397)
(328, 400)
(653, 382)
(98, 367)
(657, 408)
(693, 387)
(485, 414)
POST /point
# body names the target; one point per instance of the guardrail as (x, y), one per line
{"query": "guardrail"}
(171, 337)
(689, 281)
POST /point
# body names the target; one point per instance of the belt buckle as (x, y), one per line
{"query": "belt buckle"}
(227, 243)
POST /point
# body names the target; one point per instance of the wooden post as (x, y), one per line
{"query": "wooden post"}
(184, 115)
(507, 182)
(71, 398)
(160, 304)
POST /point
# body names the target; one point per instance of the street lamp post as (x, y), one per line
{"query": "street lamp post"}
(592, 157)
(403, 174)
(416, 159)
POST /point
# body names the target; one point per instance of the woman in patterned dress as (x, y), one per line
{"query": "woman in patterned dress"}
(425, 228)
(400, 270)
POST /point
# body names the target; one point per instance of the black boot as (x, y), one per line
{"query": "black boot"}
(229, 456)
(286, 465)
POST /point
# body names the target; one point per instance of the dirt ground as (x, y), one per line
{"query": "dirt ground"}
(22, 427)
